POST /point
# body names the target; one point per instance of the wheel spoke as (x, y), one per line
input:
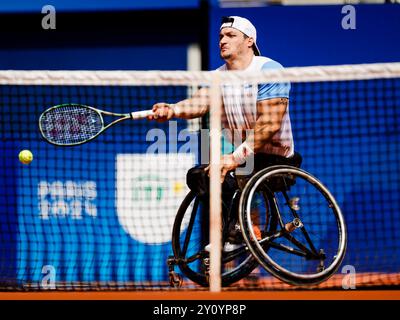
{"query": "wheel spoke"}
(301, 246)
(309, 241)
(194, 257)
(303, 229)
(284, 252)
(234, 254)
(288, 249)
(189, 254)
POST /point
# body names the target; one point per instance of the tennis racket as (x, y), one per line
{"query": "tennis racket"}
(75, 124)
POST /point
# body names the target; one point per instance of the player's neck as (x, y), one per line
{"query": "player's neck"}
(240, 63)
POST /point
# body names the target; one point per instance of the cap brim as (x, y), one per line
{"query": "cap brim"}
(256, 50)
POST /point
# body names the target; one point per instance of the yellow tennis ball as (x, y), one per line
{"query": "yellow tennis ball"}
(25, 156)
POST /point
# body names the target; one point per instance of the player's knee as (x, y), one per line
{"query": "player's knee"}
(197, 180)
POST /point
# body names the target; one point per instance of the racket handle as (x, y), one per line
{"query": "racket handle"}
(141, 114)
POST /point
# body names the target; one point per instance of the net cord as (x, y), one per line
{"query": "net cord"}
(190, 78)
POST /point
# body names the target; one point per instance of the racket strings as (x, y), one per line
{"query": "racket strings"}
(71, 124)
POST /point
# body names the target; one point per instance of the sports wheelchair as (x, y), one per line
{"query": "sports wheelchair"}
(284, 220)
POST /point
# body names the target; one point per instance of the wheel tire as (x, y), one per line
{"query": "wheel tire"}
(261, 252)
(232, 276)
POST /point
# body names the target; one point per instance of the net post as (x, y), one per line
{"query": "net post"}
(215, 185)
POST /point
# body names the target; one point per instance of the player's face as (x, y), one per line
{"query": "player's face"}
(232, 43)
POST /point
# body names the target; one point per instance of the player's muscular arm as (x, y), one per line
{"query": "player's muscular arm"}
(270, 113)
(194, 107)
(190, 108)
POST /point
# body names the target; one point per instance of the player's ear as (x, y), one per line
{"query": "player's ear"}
(250, 42)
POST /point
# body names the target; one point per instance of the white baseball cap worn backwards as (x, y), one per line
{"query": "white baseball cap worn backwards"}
(243, 25)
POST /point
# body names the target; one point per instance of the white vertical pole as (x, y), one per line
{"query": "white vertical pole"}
(193, 64)
(215, 184)
(194, 57)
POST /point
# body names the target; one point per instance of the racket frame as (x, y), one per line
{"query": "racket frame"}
(122, 116)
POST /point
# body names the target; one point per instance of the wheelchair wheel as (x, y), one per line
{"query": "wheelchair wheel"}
(308, 241)
(190, 235)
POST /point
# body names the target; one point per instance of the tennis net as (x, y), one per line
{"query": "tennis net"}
(100, 216)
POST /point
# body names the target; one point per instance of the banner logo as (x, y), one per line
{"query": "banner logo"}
(63, 199)
(150, 189)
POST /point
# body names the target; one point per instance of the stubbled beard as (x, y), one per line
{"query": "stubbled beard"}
(225, 56)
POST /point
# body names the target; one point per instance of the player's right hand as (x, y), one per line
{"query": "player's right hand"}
(161, 112)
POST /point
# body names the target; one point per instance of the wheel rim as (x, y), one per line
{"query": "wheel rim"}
(193, 270)
(267, 258)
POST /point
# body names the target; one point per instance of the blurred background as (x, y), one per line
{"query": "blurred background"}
(134, 34)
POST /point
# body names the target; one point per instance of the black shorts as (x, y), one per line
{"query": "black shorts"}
(198, 181)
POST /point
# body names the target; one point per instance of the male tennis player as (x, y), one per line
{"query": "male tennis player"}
(264, 111)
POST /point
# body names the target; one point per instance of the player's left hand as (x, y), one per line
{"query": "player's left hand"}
(227, 164)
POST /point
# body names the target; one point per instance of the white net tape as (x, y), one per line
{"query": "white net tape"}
(176, 78)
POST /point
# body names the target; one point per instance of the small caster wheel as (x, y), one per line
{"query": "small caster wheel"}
(321, 266)
(175, 280)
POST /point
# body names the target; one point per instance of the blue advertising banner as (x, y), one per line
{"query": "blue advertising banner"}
(100, 212)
